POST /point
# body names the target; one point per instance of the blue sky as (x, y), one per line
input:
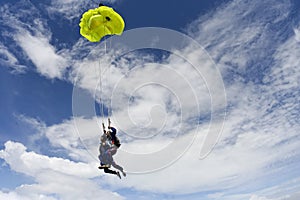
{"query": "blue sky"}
(222, 74)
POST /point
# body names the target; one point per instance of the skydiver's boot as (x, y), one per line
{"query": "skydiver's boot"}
(124, 174)
(118, 174)
(104, 166)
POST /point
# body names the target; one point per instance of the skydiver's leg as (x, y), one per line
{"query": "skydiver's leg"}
(109, 171)
(113, 150)
(103, 162)
(100, 159)
(110, 160)
(115, 165)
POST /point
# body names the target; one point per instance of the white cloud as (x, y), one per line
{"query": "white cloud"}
(255, 197)
(79, 138)
(285, 75)
(70, 9)
(44, 56)
(8, 59)
(286, 190)
(73, 9)
(32, 164)
(70, 136)
(294, 196)
(55, 178)
(297, 34)
(12, 195)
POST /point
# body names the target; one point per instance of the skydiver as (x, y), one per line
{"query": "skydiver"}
(114, 145)
(103, 157)
(108, 147)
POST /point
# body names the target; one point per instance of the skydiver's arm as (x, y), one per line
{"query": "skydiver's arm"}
(109, 122)
(114, 131)
(103, 127)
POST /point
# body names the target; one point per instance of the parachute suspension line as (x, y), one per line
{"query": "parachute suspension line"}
(107, 72)
(108, 79)
(101, 93)
(101, 82)
(107, 47)
(97, 68)
(110, 102)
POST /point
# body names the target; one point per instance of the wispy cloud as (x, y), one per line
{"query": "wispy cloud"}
(33, 37)
(297, 34)
(8, 59)
(242, 36)
(42, 54)
(72, 9)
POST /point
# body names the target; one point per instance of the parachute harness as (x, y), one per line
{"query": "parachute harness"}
(101, 80)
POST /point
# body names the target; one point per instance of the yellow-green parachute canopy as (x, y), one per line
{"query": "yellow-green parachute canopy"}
(99, 22)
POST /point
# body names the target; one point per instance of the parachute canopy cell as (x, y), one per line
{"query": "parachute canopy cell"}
(99, 22)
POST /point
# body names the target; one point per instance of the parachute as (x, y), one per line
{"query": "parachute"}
(99, 22)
